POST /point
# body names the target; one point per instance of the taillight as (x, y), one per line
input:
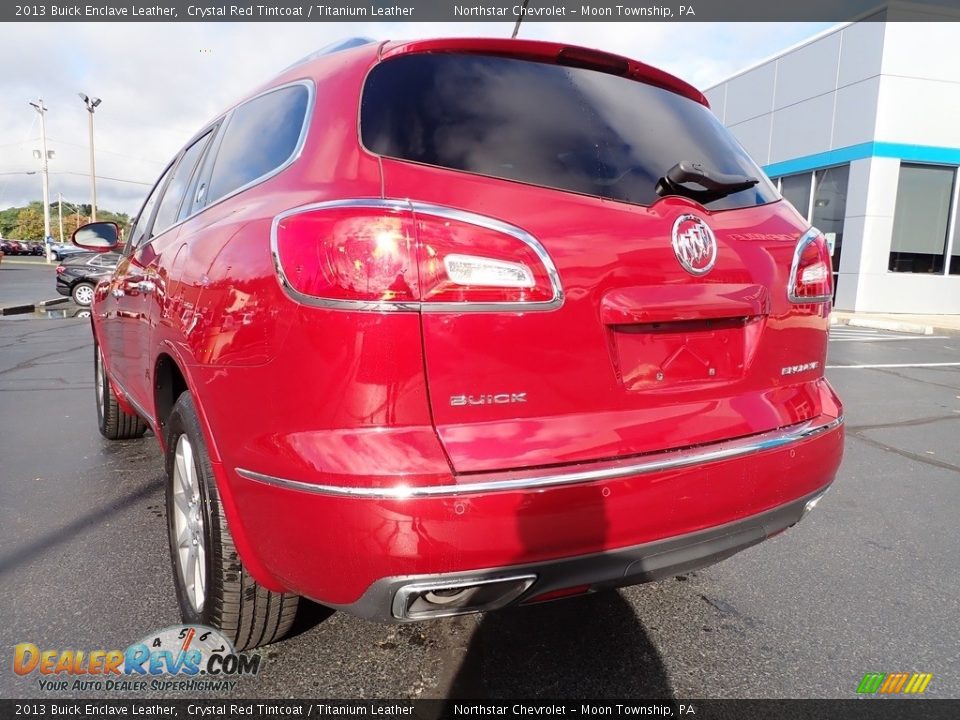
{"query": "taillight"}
(811, 275)
(61, 269)
(387, 255)
(349, 254)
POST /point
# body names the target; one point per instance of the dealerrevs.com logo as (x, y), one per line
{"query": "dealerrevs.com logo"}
(179, 658)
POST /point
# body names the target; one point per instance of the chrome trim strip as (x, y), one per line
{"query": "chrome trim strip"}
(669, 460)
(808, 237)
(419, 208)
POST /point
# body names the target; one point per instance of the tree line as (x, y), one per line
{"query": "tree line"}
(26, 223)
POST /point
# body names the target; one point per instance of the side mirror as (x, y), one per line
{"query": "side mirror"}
(97, 237)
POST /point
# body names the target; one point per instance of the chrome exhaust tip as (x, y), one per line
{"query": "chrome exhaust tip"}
(812, 502)
(420, 601)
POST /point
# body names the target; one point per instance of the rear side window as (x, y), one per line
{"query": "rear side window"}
(567, 128)
(261, 135)
(173, 196)
(105, 260)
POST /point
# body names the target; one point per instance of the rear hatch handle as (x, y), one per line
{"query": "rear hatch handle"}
(683, 303)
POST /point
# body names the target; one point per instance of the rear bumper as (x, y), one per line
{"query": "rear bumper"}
(597, 524)
(383, 601)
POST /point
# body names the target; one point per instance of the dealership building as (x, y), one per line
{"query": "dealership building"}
(860, 129)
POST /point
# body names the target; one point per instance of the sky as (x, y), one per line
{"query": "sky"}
(161, 82)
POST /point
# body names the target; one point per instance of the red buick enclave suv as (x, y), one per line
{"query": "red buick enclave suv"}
(428, 328)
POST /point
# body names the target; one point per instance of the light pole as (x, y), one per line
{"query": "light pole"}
(76, 209)
(44, 157)
(91, 104)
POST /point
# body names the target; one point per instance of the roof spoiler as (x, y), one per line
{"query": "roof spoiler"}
(332, 48)
(556, 53)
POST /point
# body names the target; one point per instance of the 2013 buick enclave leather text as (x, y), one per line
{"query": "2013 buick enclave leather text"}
(436, 327)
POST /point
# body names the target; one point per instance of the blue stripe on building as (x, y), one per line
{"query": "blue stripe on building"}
(840, 156)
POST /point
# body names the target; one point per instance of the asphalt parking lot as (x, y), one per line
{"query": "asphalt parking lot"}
(870, 581)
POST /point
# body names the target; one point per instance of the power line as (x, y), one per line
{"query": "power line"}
(109, 152)
(101, 177)
(82, 174)
(29, 136)
(19, 142)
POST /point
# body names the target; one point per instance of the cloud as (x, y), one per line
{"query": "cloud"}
(160, 82)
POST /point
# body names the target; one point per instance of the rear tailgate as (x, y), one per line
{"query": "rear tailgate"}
(642, 355)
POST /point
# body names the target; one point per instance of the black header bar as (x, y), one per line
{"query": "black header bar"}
(478, 10)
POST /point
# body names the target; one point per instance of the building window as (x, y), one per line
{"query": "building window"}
(828, 190)
(830, 208)
(921, 220)
(955, 255)
(796, 190)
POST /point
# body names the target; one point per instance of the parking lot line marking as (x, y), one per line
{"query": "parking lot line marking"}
(892, 365)
(887, 338)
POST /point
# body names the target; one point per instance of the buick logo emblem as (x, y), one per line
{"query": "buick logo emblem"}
(694, 244)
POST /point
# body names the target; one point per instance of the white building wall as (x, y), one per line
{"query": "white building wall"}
(918, 103)
(892, 83)
(818, 97)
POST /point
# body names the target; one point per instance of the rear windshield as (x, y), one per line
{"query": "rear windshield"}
(561, 127)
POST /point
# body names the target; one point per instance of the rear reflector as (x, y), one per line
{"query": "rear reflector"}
(811, 275)
(373, 254)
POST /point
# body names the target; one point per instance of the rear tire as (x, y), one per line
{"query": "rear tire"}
(213, 587)
(114, 423)
(82, 294)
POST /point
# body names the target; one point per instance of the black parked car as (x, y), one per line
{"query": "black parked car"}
(79, 274)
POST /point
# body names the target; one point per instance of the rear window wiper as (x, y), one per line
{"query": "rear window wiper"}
(712, 185)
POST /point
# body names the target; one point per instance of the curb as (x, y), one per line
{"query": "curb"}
(53, 301)
(892, 325)
(17, 309)
(30, 307)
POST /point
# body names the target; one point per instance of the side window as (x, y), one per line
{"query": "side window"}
(107, 260)
(169, 208)
(262, 135)
(139, 227)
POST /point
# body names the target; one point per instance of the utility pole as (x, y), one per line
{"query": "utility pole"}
(60, 214)
(91, 104)
(42, 110)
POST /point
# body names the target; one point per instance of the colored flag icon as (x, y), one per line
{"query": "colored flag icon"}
(894, 683)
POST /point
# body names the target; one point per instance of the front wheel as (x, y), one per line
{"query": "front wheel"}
(114, 423)
(213, 587)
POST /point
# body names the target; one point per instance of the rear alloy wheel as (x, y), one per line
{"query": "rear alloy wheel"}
(114, 423)
(82, 294)
(213, 587)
